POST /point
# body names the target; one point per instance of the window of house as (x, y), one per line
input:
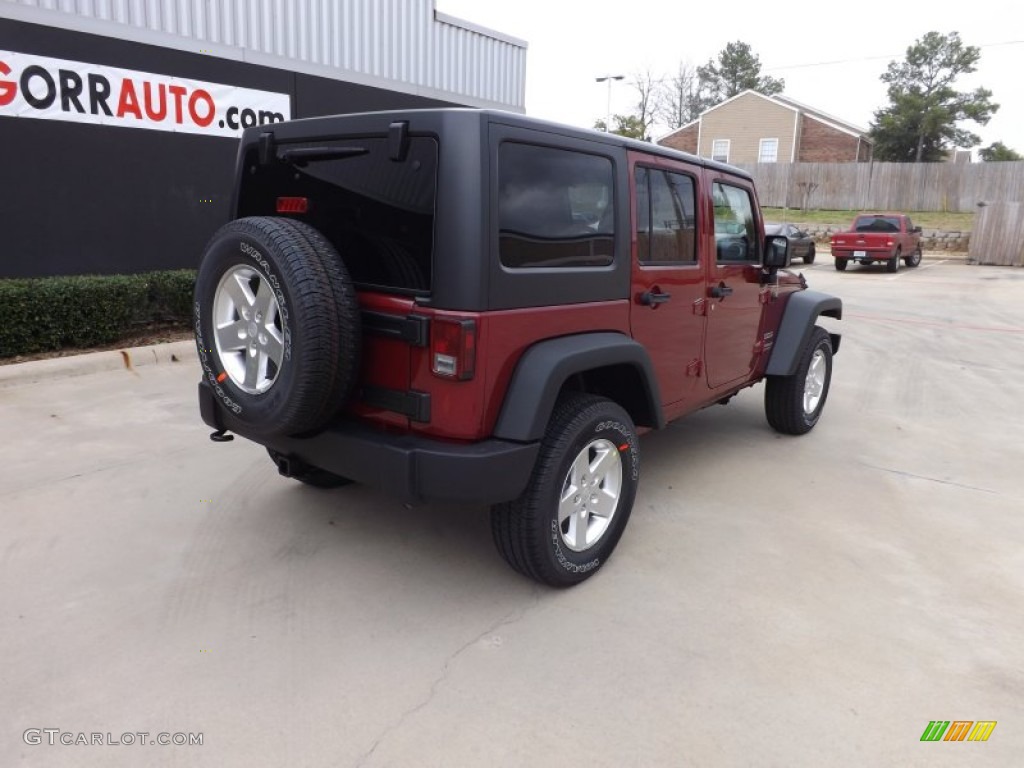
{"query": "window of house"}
(666, 217)
(555, 207)
(720, 150)
(768, 151)
(735, 227)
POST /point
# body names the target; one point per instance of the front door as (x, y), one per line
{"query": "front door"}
(734, 286)
(668, 278)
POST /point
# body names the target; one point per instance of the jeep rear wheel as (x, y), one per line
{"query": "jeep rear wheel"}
(841, 265)
(809, 258)
(571, 515)
(793, 404)
(275, 319)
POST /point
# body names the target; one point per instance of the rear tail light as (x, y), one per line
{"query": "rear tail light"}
(292, 204)
(453, 347)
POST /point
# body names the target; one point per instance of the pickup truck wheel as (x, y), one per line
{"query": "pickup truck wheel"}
(841, 265)
(913, 259)
(893, 265)
(809, 258)
(314, 476)
(570, 517)
(274, 324)
(793, 404)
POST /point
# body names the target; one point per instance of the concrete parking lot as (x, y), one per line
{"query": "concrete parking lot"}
(774, 602)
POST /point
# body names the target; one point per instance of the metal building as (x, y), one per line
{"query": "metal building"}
(119, 118)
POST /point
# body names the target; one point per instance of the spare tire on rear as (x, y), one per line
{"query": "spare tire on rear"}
(276, 324)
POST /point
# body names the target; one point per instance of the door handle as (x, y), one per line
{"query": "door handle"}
(654, 298)
(720, 291)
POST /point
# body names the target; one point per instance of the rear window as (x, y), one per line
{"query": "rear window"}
(877, 224)
(377, 212)
(555, 207)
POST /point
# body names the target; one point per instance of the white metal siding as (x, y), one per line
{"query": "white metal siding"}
(387, 43)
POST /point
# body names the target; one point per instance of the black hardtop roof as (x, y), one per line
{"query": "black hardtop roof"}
(323, 125)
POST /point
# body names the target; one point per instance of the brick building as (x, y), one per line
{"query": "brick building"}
(754, 128)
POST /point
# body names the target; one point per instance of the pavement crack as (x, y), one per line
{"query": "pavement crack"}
(512, 617)
(929, 479)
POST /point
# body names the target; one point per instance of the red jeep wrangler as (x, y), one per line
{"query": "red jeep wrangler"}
(472, 305)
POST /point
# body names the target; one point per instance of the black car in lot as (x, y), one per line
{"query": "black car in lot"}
(801, 244)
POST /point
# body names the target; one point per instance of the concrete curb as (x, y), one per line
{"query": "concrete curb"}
(96, 362)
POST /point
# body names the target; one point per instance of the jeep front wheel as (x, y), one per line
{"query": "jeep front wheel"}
(793, 404)
(570, 517)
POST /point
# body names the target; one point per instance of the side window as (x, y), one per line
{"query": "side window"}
(643, 215)
(735, 227)
(555, 207)
(910, 224)
(670, 234)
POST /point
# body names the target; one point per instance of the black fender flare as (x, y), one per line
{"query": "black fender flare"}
(544, 368)
(801, 313)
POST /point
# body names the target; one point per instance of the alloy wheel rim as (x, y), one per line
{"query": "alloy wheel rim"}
(814, 384)
(248, 331)
(590, 495)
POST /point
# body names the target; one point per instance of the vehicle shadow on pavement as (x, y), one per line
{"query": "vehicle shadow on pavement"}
(359, 528)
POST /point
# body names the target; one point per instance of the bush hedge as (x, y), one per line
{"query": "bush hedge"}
(47, 313)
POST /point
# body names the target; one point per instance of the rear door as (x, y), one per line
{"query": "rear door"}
(735, 293)
(666, 313)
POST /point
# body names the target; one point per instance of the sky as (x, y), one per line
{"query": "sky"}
(831, 56)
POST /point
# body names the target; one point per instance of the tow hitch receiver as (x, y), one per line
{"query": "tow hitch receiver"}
(285, 466)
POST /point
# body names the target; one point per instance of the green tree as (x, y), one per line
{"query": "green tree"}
(736, 70)
(997, 152)
(629, 126)
(920, 123)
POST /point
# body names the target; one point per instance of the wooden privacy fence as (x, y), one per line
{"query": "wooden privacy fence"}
(887, 186)
(998, 236)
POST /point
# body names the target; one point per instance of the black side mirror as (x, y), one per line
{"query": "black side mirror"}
(916, 230)
(776, 252)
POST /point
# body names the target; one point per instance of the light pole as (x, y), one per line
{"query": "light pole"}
(609, 79)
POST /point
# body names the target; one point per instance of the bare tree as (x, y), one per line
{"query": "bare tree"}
(677, 100)
(646, 85)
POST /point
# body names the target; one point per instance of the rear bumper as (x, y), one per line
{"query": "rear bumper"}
(411, 467)
(876, 254)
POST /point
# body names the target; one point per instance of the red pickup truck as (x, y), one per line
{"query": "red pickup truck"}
(873, 237)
